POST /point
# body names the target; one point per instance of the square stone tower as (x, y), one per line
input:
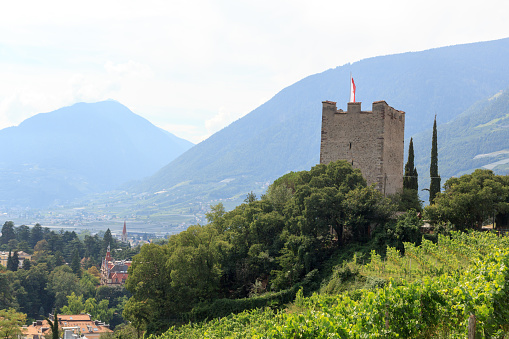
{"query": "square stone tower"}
(372, 141)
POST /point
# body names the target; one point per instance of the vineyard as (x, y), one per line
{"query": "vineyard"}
(430, 292)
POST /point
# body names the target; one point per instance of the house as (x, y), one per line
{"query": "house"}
(72, 326)
(4, 257)
(114, 272)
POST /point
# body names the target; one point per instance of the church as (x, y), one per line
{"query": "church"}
(114, 272)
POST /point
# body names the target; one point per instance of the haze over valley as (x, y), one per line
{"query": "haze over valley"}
(96, 164)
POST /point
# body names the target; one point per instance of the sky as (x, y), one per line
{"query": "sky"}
(193, 67)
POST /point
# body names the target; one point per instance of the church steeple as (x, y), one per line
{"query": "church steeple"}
(108, 255)
(124, 233)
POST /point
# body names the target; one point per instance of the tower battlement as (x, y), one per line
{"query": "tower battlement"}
(372, 141)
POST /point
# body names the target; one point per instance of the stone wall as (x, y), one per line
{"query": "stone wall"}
(372, 141)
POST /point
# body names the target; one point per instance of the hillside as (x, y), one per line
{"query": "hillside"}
(476, 138)
(283, 134)
(84, 148)
(431, 291)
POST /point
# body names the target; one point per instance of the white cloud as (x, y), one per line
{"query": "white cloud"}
(218, 121)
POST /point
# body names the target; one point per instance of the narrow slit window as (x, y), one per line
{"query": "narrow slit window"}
(350, 145)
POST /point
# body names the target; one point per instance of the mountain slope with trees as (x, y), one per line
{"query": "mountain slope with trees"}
(84, 148)
(477, 138)
(283, 134)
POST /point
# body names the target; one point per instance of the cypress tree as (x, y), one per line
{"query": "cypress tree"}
(15, 261)
(410, 194)
(9, 262)
(434, 187)
(53, 325)
(410, 180)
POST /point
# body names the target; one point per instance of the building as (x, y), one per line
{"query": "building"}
(73, 326)
(114, 272)
(124, 234)
(4, 257)
(372, 141)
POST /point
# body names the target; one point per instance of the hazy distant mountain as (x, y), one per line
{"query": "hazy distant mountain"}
(477, 138)
(283, 134)
(87, 147)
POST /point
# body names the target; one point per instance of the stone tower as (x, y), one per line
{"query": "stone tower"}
(372, 141)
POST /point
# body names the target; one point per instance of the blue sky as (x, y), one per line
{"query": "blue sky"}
(193, 67)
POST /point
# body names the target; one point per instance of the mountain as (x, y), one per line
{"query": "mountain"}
(84, 148)
(283, 134)
(477, 138)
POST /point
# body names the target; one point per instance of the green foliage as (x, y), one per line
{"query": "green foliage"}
(475, 139)
(10, 323)
(75, 263)
(423, 301)
(434, 187)
(224, 307)
(410, 179)
(45, 283)
(62, 282)
(242, 258)
(97, 310)
(7, 233)
(53, 326)
(471, 199)
(408, 199)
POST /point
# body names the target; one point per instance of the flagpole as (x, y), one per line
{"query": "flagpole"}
(350, 87)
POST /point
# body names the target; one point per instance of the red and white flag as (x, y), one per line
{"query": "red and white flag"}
(352, 90)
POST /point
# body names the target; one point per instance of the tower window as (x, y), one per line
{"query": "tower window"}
(350, 145)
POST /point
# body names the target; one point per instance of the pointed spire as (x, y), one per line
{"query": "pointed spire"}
(124, 233)
(108, 255)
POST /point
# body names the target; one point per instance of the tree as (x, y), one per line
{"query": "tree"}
(74, 305)
(23, 233)
(26, 264)
(410, 180)
(13, 264)
(409, 197)
(34, 281)
(76, 263)
(7, 233)
(36, 235)
(251, 197)
(152, 301)
(7, 292)
(9, 262)
(53, 326)
(88, 284)
(215, 217)
(62, 282)
(434, 187)
(107, 241)
(471, 199)
(10, 323)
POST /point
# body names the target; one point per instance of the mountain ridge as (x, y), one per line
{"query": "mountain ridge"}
(283, 134)
(94, 146)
